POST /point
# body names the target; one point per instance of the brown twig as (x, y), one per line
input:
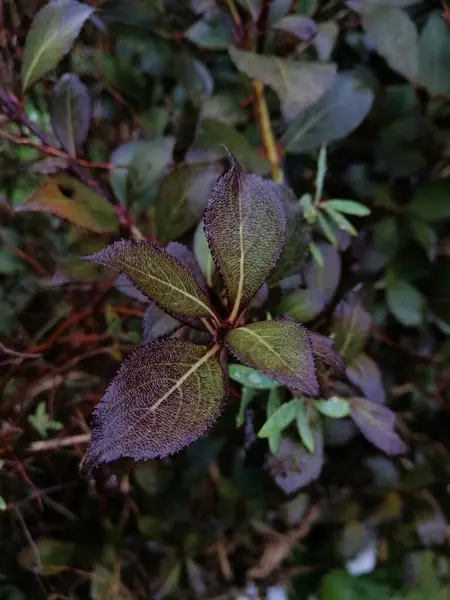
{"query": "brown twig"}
(56, 443)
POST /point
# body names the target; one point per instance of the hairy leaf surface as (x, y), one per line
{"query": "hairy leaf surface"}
(282, 349)
(165, 396)
(158, 274)
(245, 229)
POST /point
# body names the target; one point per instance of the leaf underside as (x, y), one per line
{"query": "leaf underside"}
(281, 349)
(165, 396)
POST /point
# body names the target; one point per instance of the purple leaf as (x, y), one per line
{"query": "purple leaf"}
(187, 257)
(158, 275)
(376, 422)
(365, 374)
(124, 285)
(293, 466)
(351, 326)
(245, 228)
(70, 112)
(281, 349)
(323, 349)
(304, 28)
(165, 396)
(157, 324)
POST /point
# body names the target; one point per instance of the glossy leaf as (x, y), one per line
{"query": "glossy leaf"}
(245, 228)
(157, 323)
(305, 430)
(405, 302)
(351, 327)
(165, 396)
(73, 201)
(281, 349)
(182, 197)
(70, 111)
(54, 29)
(335, 407)
(280, 419)
(251, 378)
(394, 36)
(299, 84)
(339, 112)
(324, 350)
(365, 374)
(377, 423)
(158, 275)
(434, 55)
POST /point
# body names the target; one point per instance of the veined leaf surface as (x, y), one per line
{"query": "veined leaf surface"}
(281, 349)
(158, 274)
(245, 228)
(165, 396)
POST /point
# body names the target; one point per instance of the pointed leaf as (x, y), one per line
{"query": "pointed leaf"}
(69, 199)
(54, 29)
(273, 404)
(431, 203)
(70, 112)
(405, 302)
(165, 396)
(377, 423)
(203, 254)
(365, 374)
(157, 324)
(299, 84)
(334, 407)
(248, 395)
(245, 229)
(351, 327)
(281, 349)
(434, 55)
(251, 377)
(348, 207)
(339, 112)
(305, 431)
(158, 275)
(323, 350)
(280, 419)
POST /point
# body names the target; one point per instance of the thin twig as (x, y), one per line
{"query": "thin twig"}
(265, 127)
(56, 443)
(11, 352)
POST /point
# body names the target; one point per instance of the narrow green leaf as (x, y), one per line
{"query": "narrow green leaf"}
(281, 349)
(203, 254)
(334, 407)
(70, 111)
(3, 505)
(248, 395)
(165, 396)
(406, 303)
(70, 199)
(321, 172)
(316, 253)
(327, 228)
(251, 378)
(341, 221)
(54, 29)
(299, 84)
(304, 428)
(349, 207)
(280, 419)
(245, 228)
(158, 275)
(273, 404)
(351, 326)
(434, 55)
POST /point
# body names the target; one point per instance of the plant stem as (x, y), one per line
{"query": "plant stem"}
(266, 131)
(234, 12)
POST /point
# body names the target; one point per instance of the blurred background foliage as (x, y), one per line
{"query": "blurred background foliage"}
(113, 123)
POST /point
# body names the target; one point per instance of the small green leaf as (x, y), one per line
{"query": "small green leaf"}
(299, 84)
(431, 203)
(327, 228)
(280, 419)
(147, 165)
(434, 55)
(70, 112)
(203, 254)
(113, 322)
(70, 199)
(214, 31)
(166, 395)
(334, 407)
(158, 275)
(405, 302)
(122, 157)
(317, 254)
(304, 428)
(248, 395)
(54, 29)
(3, 505)
(321, 172)
(251, 378)
(341, 221)
(41, 421)
(281, 349)
(245, 228)
(273, 404)
(349, 207)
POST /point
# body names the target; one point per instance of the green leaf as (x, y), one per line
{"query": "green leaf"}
(405, 302)
(340, 584)
(214, 31)
(165, 396)
(273, 404)
(248, 395)
(41, 421)
(365, 374)
(299, 84)
(281, 349)
(245, 228)
(158, 275)
(251, 377)
(339, 112)
(349, 207)
(377, 424)
(305, 431)
(351, 326)
(70, 112)
(394, 36)
(334, 407)
(182, 197)
(425, 236)
(69, 199)
(434, 55)
(340, 221)
(203, 254)
(122, 157)
(432, 202)
(54, 29)
(280, 419)
(147, 165)
(328, 228)
(3, 505)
